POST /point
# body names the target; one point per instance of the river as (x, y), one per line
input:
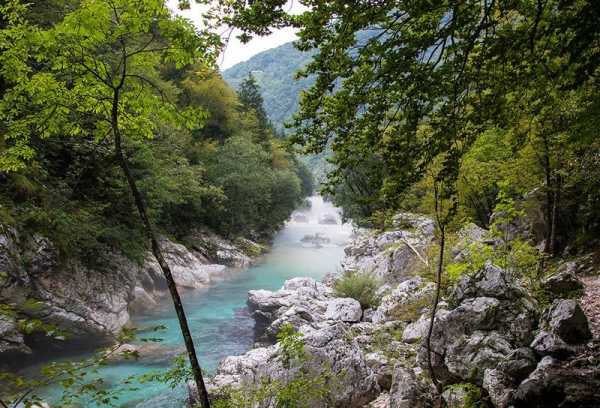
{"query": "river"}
(217, 315)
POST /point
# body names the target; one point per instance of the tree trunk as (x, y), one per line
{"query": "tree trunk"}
(549, 200)
(555, 202)
(166, 270)
(438, 285)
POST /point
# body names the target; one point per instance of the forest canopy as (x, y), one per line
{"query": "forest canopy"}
(206, 163)
(477, 97)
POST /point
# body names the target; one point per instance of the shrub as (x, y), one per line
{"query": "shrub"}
(359, 286)
(301, 386)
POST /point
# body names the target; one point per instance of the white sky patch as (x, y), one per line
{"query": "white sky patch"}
(235, 51)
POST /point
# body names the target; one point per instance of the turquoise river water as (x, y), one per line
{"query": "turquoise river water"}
(217, 315)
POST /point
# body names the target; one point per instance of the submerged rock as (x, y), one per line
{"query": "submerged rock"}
(328, 219)
(299, 217)
(317, 239)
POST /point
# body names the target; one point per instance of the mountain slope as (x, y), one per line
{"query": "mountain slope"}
(274, 71)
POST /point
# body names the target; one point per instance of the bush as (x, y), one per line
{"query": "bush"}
(359, 286)
(300, 386)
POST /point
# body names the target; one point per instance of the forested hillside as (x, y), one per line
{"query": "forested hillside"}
(463, 145)
(119, 138)
(275, 71)
(216, 174)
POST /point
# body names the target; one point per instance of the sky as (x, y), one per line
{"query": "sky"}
(235, 51)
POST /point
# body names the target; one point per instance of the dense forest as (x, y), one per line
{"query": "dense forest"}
(227, 172)
(490, 100)
(275, 71)
(461, 136)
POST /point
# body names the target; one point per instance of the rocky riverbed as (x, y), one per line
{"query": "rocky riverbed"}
(492, 338)
(91, 303)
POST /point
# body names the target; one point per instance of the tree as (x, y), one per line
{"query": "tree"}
(251, 101)
(416, 83)
(100, 75)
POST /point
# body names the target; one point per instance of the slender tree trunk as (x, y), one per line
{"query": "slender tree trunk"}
(166, 270)
(548, 209)
(436, 300)
(555, 202)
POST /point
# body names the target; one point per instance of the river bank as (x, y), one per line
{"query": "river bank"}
(217, 312)
(498, 341)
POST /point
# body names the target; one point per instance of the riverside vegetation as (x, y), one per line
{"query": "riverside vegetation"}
(463, 135)
(112, 108)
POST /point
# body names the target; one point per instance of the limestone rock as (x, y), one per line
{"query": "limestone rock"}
(406, 302)
(407, 391)
(223, 252)
(499, 387)
(413, 332)
(467, 235)
(300, 301)
(490, 281)
(547, 343)
(567, 320)
(331, 351)
(519, 363)
(343, 309)
(391, 255)
(564, 283)
(553, 385)
(380, 365)
(501, 382)
(11, 339)
(382, 401)
(89, 300)
(494, 316)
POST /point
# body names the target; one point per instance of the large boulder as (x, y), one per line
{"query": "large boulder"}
(407, 390)
(332, 352)
(494, 316)
(564, 283)
(567, 320)
(500, 382)
(11, 339)
(550, 344)
(391, 255)
(299, 301)
(405, 302)
(555, 384)
(343, 309)
(491, 281)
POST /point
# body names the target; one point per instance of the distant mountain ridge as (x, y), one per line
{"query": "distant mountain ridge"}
(274, 71)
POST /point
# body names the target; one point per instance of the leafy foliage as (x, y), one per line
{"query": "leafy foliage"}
(360, 286)
(472, 93)
(301, 387)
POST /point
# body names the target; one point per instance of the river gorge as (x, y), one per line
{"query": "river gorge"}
(217, 314)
